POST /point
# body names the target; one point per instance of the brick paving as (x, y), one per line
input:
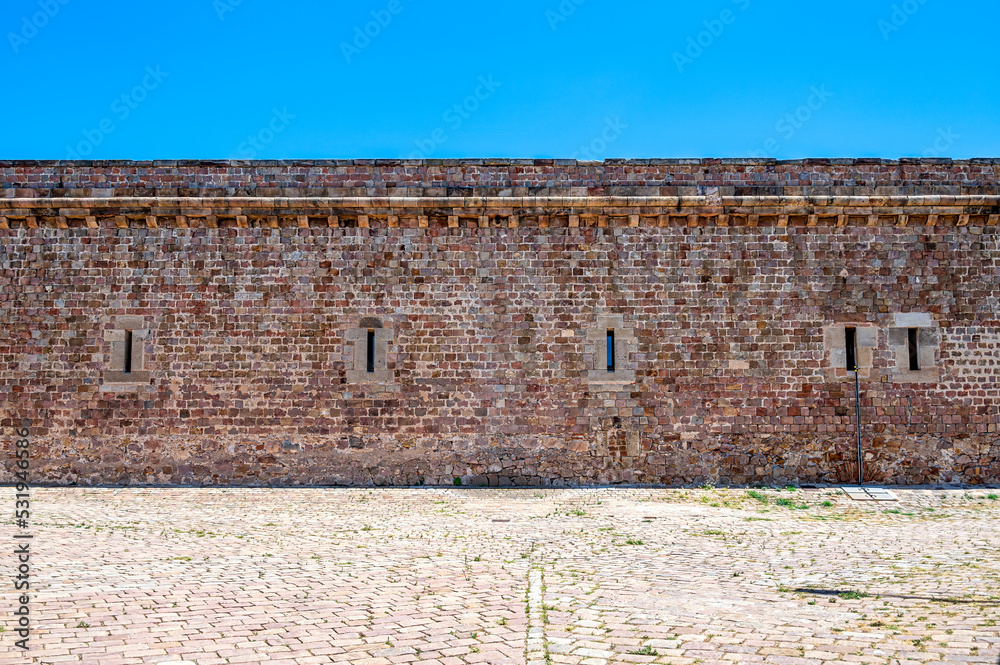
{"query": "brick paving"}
(451, 576)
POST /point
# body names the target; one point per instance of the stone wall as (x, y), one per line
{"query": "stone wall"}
(500, 177)
(244, 368)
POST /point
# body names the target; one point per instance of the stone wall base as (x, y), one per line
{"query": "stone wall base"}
(608, 457)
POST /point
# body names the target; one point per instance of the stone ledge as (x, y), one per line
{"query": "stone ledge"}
(542, 201)
(976, 211)
(380, 379)
(138, 378)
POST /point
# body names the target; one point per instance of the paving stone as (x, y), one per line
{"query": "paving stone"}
(394, 576)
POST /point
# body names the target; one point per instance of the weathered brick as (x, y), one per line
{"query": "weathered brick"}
(252, 378)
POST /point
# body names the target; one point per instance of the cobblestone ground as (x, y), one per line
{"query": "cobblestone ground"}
(451, 576)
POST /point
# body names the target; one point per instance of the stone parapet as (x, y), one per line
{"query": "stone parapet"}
(500, 177)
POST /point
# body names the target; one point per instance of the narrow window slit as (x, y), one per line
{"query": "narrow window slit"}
(851, 344)
(371, 351)
(911, 342)
(611, 350)
(128, 352)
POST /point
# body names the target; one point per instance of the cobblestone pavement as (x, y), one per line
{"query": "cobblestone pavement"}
(451, 576)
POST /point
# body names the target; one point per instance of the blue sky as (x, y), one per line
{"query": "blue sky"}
(589, 79)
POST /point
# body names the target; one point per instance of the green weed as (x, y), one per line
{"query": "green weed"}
(852, 595)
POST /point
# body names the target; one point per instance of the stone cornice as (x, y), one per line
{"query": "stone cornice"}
(500, 211)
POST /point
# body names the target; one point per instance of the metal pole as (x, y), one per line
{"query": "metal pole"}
(857, 409)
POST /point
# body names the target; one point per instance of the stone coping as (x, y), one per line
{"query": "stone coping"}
(793, 202)
(500, 161)
(507, 179)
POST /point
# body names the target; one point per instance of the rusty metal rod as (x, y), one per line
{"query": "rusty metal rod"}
(857, 408)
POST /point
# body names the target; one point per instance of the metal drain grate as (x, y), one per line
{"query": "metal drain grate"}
(869, 494)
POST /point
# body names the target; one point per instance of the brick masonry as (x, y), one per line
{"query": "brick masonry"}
(245, 285)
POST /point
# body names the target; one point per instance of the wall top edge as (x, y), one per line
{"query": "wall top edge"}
(166, 163)
(499, 161)
(901, 201)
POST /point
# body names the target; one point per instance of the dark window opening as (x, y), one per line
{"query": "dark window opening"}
(611, 350)
(911, 342)
(128, 352)
(851, 344)
(371, 350)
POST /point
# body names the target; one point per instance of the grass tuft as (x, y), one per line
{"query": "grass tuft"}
(852, 595)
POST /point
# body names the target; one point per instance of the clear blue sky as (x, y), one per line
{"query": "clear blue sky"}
(550, 78)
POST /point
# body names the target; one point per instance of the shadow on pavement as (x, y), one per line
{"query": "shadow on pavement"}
(850, 593)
